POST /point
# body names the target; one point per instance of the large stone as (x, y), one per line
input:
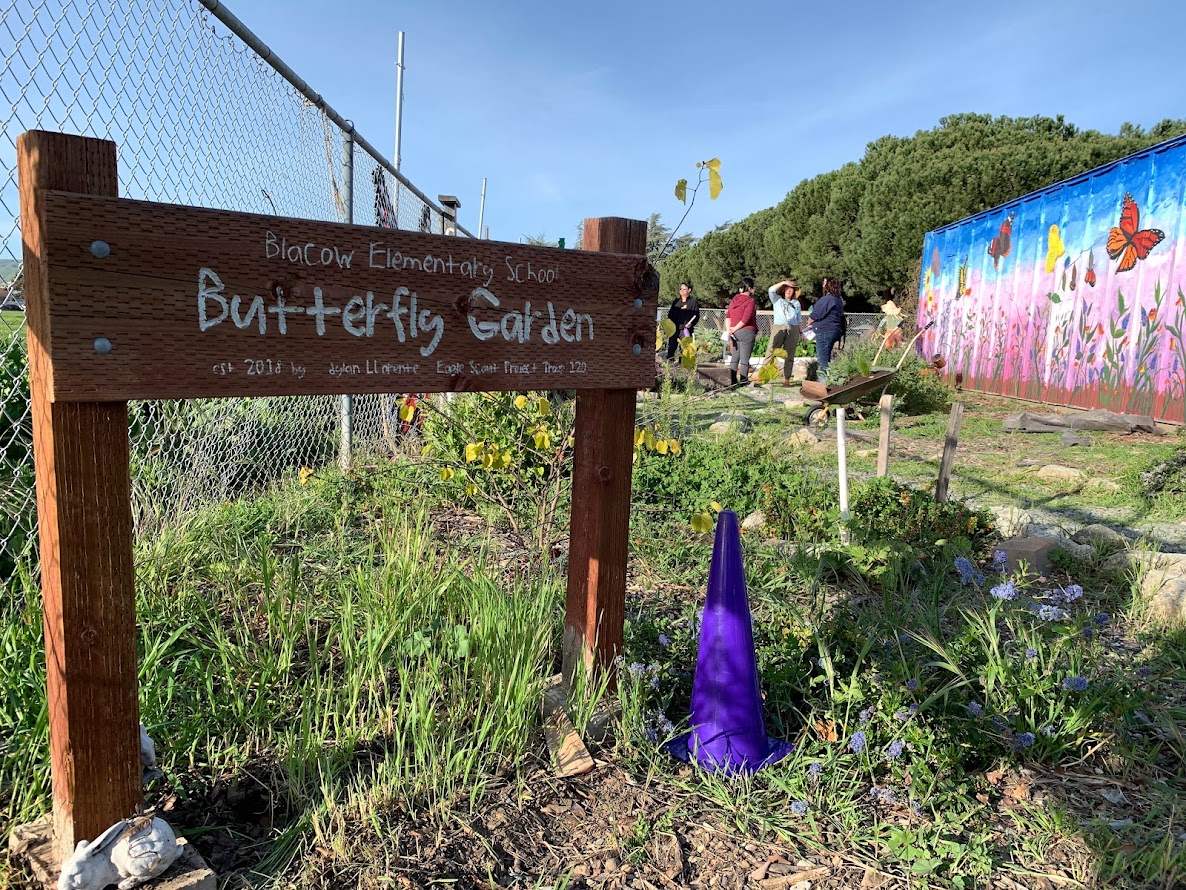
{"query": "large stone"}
(1012, 522)
(1057, 473)
(1083, 554)
(794, 404)
(803, 367)
(803, 439)
(1165, 597)
(730, 423)
(1144, 561)
(1034, 553)
(1071, 439)
(1107, 485)
(757, 519)
(1100, 535)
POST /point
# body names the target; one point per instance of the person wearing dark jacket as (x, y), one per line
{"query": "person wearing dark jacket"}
(685, 314)
(828, 322)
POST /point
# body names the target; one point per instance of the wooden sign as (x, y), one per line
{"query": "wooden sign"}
(152, 301)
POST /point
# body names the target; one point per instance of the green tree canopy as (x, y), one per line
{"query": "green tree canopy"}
(865, 222)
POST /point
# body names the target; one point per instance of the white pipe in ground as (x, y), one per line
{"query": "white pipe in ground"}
(842, 457)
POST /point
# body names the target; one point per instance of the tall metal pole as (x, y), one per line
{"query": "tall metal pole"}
(399, 118)
(482, 206)
(346, 443)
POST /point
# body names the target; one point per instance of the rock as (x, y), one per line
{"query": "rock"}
(1103, 485)
(1084, 554)
(1165, 595)
(1057, 473)
(757, 519)
(803, 439)
(803, 367)
(794, 404)
(1099, 534)
(730, 423)
(1034, 552)
(1098, 419)
(1012, 522)
(1071, 438)
(1142, 561)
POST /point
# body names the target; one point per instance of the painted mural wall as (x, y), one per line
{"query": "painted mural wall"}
(1072, 295)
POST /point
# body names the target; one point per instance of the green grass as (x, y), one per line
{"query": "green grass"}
(350, 649)
(12, 324)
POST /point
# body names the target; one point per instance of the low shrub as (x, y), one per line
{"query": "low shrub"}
(1165, 477)
(885, 510)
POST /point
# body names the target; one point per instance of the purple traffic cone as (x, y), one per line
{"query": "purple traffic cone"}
(728, 722)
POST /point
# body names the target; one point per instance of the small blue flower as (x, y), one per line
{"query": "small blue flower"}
(912, 684)
(865, 715)
(664, 640)
(1000, 559)
(1024, 740)
(1005, 592)
(1074, 684)
(1051, 613)
(1031, 653)
(799, 808)
(1000, 723)
(1102, 618)
(1047, 731)
(1145, 671)
(894, 751)
(857, 743)
(913, 709)
(637, 669)
(814, 770)
(1072, 593)
(902, 716)
(1088, 632)
(975, 709)
(966, 570)
(652, 736)
(654, 682)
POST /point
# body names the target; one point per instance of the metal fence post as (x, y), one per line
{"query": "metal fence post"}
(346, 442)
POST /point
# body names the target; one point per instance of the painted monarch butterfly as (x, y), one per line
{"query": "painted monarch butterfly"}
(1000, 245)
(1089, 276)
(1128, 242)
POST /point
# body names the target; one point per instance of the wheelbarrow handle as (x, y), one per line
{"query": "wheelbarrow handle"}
(909, 346)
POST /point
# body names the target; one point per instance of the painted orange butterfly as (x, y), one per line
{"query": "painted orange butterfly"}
(1129, 242)
(999, 246)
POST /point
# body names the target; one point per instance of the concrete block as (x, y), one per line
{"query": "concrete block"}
(33, 844)
(1034, 552)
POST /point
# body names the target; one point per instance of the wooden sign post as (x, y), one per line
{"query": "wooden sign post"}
(136, 300)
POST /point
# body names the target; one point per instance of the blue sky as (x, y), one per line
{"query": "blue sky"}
(575, 110)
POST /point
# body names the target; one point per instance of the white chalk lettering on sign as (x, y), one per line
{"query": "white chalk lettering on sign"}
(516, 326)
(358, 317)
(365, 315)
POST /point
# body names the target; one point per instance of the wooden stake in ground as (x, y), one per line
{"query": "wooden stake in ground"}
(603, 461)
(949, 445)
(84, 515)
(883, 444)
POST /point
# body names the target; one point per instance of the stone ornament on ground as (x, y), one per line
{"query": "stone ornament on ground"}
(127, 854)
(730, 423)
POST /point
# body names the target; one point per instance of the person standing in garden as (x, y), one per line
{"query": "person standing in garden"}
(827, 321)
(685, 314)
(788, 314)
(741, 326)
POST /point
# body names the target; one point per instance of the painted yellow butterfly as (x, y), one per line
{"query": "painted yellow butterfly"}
(1054, 249)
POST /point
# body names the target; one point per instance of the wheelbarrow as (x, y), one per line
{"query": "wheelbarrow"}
(823, 398)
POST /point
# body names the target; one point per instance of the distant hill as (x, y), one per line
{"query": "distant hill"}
(8, 270)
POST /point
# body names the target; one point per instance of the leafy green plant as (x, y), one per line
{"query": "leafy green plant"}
(883, 509)
(509, 452)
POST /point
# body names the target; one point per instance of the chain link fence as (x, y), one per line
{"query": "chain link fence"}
(714, 320)
(204, 115)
